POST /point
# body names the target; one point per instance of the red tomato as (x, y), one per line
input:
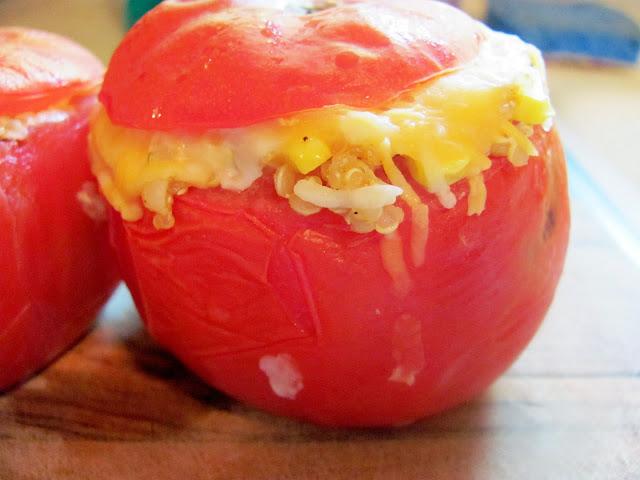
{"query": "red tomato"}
(227, 63)
(241, 277)
(298, 315)
(57, 266)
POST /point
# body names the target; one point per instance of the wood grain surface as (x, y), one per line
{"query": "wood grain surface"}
(117, 407)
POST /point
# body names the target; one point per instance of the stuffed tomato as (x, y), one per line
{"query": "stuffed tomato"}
(56, 262)
(353, 215)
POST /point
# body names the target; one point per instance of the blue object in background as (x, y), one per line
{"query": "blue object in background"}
(578, 28)
(134, 9)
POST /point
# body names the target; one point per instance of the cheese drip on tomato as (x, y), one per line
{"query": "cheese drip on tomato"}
(444, 130)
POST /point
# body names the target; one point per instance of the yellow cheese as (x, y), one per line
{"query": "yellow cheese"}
(477, 195)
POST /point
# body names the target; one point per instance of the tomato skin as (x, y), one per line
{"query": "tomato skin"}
(228, 58)
(241, 276)
(39, 69)
(57, 265)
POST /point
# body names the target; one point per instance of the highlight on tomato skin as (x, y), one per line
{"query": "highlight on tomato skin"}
(57, 265)
(348, 263)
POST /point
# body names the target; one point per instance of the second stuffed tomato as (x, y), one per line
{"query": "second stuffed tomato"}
(56, 266)
(354, 215)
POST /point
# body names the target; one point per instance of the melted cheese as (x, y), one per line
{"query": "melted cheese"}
(445, 130)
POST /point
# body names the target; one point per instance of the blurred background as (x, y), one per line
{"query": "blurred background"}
(591, 47)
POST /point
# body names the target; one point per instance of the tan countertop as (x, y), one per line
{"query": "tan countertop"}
(598, 112)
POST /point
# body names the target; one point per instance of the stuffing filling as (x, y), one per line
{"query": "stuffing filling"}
(343, 159)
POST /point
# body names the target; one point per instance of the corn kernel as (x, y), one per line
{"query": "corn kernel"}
(308, 153)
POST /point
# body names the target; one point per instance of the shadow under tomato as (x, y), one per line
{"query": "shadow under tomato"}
(452, 441)
(158, 364)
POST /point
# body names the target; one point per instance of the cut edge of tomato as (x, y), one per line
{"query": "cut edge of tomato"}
(200, 128)
(16, 104)
(148, 67)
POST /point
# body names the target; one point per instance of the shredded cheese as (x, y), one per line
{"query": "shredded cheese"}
(477, 195)
(419, 233)
(369, 197)
(392, 255)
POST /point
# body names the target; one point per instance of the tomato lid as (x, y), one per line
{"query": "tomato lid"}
(221, 63)
(38, 69)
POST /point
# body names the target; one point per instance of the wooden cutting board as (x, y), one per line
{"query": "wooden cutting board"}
(117, 407)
